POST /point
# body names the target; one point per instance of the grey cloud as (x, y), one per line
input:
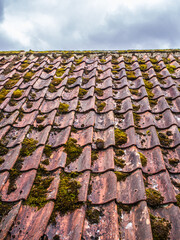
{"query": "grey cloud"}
(1, 10)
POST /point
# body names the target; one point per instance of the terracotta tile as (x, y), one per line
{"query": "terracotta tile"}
(121, 93)
(136, 84)
(40, 136)
(64, 120)
(37, 94)
(53, 188)
(103, 121)
(48, 119)
(173, 136)
(82, 163)
(70, 93)
(107, 228)
(106, 135)
(173, 154)
(131, 139)
(103, 188)
(48, 106)
(87, 105)
(72, 104)
(83, 179)
(107, 93)
(54, 95)
(131, 160)
(18, 105)
(10, 158)
(147, 119)
(165, 119)
(31, 222)
(84, 136)
(147, 138)
(8, 119)
(58, 138)
(3, 178)
(136, 224)
(162, 183)
(56, 160)
(23, 183)
(68, 226)
(33, 105)
(176, 105)
(90, 83)
(170, 213)
(90, 93)
(77, 75)
(120, 74)
(108, 107)
(8, 220)
(15, 136)
(40, 83)
(175, 180)
(104, 162)
(124, 121)
(28, 119)
(171, 92)
(131, 190)
(123, 107)
(105, 74)
(118, 84)
(106, 83)
(84, 120)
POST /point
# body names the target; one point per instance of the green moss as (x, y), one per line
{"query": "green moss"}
(119, 162)
(3, 149)
(5, 208)
(135, 92)
(160, 228)
(136, 107)
(115, 67)
(24, 65)
(48, 69)
(82, 92)
(56, 81)
(37, 196)
(156, 68)
(67, 196)
(131, 75)
(94, 156)
(99, 144)
(29, 104)
(153, 60)
(127, 60)
(145, 75)
(78, 61)
(71, 81)
(12, 102)
(141, 61)
(143, 159)
(137, 119)
(149, 93)
(3, 93)
(114, 61)
(118, 104)
(48, 150)
(40, 119)
(100, 71)
(121, 176)
(102, 60)
(98, 80)
(124, 207)
(154, 198)
(164, 140)
(85, 81)
(45, 162)
(127, 66)
(98, 91)
(173, 161)
(29, 145)
(143, 67)
(28, 76)
(119, 152)
(114, 71)
(10, 83)
(153, 102)
(93, 214)
(171, 68)
(120, 137)
(63, 108)
(178, 199)
(17, 94)
(148, 84)
(71, 70)
(60, 71)
(158, 117)
(100, 105)
(36, 64)
(73, 150)
(1, 161)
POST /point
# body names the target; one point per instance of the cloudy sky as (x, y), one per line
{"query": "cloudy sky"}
(89, 24)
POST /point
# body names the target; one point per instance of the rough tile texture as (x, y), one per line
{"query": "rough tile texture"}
(90, 145)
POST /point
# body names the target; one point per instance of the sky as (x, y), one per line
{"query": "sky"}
(89, 24)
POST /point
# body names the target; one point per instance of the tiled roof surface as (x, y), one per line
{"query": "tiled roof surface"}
(90, 146)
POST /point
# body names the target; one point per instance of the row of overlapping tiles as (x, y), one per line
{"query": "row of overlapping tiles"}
(105, 187)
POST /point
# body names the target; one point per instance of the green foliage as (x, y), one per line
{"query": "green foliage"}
(120, 137)
(160, 228)
(154, 197)
(73, 150)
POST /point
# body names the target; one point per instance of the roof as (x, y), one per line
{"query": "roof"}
(90, 145)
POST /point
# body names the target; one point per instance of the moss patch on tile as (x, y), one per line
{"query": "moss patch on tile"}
(5, 208)
(120, 137)
(73, 150)
(137, 119)
(160, 228)
(28, 76)
(98, 91)
(11, 82)
(99, 144)
(3, 93)
(63, 108)
(48, 69)
(60, 71)
(135, 92)
(154, 197)
(17, 93)
(164, 139)
(143, 159)
(119, 162)
(48, 150)
(121, 176)
(131, 75)
(100, 105)
(3, 149)
(93, 214)
(82, 92)
(136, 107)
(37, 196)
(143, 67)
(71, 81)
(85, 81)
(173, 161)
(171, 68)
(94, 156)
(29, 145)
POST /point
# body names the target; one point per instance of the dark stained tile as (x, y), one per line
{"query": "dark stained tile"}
(162, 183)
(103, 188)
(68, 226)
(45, 119)
(171, 135)
(171, 158)
(104, 162)
(84, 120)
(31, 223)
(131, 190)
(107, 227)
(107, 136)
(30, 106)
(82, 163)
(128, 226)
(23, 186)
(8, 220)
(58, 137)
(103, 121)
(84, 136)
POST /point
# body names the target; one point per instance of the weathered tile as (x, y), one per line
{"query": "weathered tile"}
(58, 137)
(84, 120)
(8, 119)
(84, 136)
(107, 136)
(27, 119)
(15, 136)
(103, 121)
(48, 106)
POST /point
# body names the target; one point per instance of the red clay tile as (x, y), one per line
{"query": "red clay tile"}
(131, 190)
(40, 83)
(48, 106)
(83, 179)
(15, 136)
(103, 121)
(23, 186)
(87, 105)
(124, 121)
(109, 105)
(28, 119)
(90, 83)
(53, 188)
(37, 94)
(84, 120)
(103, 188)
(58, 137)
(48, 119)
(173, 136)
(30, 106)
(70, 93)
(18, 105)
(107, 228)
(106, 135)
(173, 154)
(54, 95)
(64, 120)
(106, 83)
(121, 93)
(3, 178)
(8, 119)
(31, 223)
(84, 136)
(124, 106)
(117, 84)
(165, 120)
(40, 136)
(3, 131)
